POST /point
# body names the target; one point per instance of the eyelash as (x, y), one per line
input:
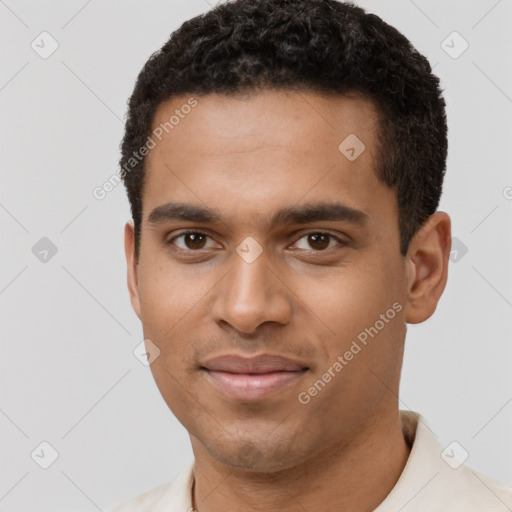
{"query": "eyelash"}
(341, 242)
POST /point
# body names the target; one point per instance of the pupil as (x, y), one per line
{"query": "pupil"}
(320, 240)
(314, 239)
(195, 238)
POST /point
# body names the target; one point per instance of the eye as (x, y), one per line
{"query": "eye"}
(315, 241)
(191, 240)
(319, 241)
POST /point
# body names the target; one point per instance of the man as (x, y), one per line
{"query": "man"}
(284, 161)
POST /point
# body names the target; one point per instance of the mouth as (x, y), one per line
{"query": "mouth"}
(252, 386)
(252, 379)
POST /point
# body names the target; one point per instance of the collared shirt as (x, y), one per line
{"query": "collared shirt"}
(433, 480)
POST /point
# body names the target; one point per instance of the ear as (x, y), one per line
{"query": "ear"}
(132, 269)
(427, 267)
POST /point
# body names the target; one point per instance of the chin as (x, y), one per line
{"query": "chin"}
(249, 456)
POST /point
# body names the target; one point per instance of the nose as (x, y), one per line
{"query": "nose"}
(251, 294)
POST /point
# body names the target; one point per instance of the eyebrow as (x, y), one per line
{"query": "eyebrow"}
(303, 214)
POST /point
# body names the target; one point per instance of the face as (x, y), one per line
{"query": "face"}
(292, 250)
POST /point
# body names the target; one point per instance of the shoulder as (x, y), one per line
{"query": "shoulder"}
(144, 501)
(173, 495)
(436, 479)
(476, 491)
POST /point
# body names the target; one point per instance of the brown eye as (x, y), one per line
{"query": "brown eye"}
(319, 241)
(194, 240)
(190, 241)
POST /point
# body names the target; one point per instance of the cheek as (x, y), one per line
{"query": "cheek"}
(173, 302)
(360, 304)
(348, 299)
(167, 291)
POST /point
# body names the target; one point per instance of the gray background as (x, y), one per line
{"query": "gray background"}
(68, 374)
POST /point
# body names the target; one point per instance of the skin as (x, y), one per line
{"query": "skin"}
(247, 157)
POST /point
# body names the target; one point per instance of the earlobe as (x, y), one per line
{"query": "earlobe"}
(427, 267)
(131, 266)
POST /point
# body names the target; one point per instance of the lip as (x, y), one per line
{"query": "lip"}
(252, 378)
(262, 363)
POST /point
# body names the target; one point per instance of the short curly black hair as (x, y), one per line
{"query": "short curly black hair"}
(323, 46)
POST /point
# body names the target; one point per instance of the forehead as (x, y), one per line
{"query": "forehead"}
(247, 153)
(286, 119)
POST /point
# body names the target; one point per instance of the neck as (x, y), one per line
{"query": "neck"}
(354, 475)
